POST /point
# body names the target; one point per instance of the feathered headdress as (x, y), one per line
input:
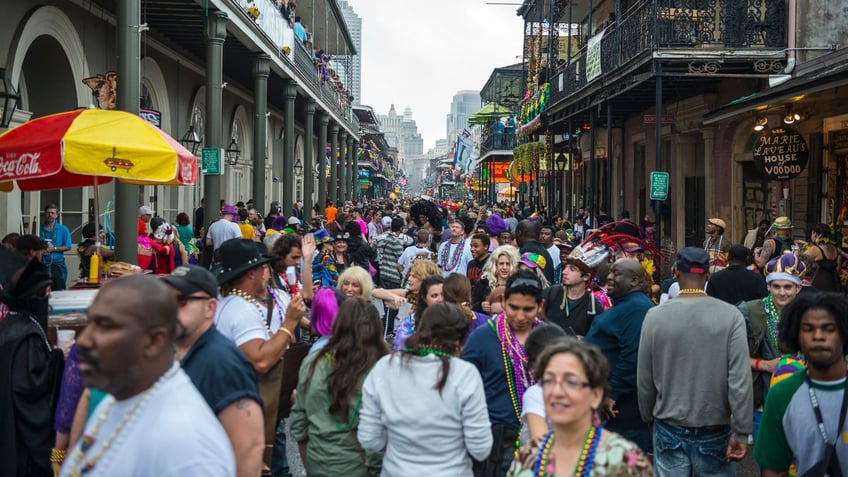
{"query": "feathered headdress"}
(600, 244)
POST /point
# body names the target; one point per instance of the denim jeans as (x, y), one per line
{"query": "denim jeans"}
(279, 460)
(679, 451)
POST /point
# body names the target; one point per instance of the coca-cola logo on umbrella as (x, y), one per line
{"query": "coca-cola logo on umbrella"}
(20, 166)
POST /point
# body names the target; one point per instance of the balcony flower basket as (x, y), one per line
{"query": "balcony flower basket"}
(253, 11)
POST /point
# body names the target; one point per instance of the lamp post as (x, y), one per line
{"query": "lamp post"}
(9, 99)
(559, 164)
(191, 140)
(233, 152)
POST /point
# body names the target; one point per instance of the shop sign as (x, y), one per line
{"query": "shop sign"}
(781, 154)
(211, 161)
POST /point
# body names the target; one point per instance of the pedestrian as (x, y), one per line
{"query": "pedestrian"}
(777, 245)
(326, 411)
(534, 421)
(826, 256)
(573, 375)
(783, 277)
(616, 332)
(323, 312)
(224, 228)
(242, 318)
(673, 381)
(736, 282)
(497, 350)
(715, 244)
(502, 263)
(454, 254)
(480, 243)
(58, 239)
(222, 374)
(804, 417)
(425, 377)
(527, 235)
(570, 304)
(128, 351)
(429, 293)
(31, 370)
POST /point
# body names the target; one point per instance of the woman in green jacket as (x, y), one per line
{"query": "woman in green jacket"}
(325, 415)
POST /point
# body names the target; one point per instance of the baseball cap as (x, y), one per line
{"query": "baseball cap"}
(145, 210)
(188, 279)
(293, 221)
(693, 260)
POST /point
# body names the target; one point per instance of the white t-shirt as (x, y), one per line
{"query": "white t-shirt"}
(172, 433)
(222, 230)
(553, 251)
(445, 263)
(240, 321)
(408, 254)
(533, 402)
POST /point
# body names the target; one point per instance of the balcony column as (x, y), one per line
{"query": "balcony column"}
(308, 175)
(216, 33)
(323, 120)
(289, 95)
(261, 71)
(710, 183)
(126, 195)
(334, 167)
(352, 175)
(342, 162)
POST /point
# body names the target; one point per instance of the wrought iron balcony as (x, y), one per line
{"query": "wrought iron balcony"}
(497, 142)
(701, 27)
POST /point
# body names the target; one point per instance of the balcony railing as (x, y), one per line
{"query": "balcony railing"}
(496, 142)
(278, 32)
(673, 24)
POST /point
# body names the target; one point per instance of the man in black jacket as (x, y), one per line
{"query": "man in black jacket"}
(527, 235)
(736, 283)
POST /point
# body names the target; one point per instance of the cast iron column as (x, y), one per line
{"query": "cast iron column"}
(126, 195)
(308, 174)
(261, 71)
(216, 33)
(353, 167)
(323, 120)
(289, 95)
(334, 166)
(341, 176)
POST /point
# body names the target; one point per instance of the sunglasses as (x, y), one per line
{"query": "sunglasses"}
(526, 282)
(183, 300)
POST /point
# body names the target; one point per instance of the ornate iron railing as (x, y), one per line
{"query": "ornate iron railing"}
(672, 24)
(497, 142)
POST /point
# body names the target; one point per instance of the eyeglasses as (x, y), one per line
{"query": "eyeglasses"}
(183, 300)
(525, 282)
(569, 384)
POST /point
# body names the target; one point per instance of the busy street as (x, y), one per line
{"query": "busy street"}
(322, 238)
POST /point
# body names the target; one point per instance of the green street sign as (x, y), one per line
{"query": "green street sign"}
(211, 163)
(659, 185)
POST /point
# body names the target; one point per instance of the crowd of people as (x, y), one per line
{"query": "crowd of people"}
(413, 337)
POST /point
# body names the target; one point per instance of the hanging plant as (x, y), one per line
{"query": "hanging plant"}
(286, 50)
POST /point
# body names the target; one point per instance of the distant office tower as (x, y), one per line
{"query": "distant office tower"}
(464, 104)
(353, 74)
(402, 132)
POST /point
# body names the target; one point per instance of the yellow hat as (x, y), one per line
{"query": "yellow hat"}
(718, 223)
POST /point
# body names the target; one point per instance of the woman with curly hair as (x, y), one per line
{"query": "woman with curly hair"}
(326, 412)
(502, 263)
(426, 379)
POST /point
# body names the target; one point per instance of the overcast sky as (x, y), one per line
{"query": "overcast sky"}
(419, 53)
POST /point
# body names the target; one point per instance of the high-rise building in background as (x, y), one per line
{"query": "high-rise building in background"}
(464, 104)
(401, 132)
(353, 74)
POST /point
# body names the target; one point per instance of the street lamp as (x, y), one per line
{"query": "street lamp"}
(233, 152)
(191, 140)
(298, 168)
(9, 99)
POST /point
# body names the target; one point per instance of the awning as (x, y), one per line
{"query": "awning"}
(834, 76)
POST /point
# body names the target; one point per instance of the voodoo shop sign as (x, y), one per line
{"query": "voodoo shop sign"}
(781, 154)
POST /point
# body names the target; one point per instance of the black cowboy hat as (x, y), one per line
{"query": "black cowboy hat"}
(238, 256)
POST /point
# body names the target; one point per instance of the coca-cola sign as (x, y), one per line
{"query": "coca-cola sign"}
(20, 166)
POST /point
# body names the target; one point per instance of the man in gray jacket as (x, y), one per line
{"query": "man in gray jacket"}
(693, 377)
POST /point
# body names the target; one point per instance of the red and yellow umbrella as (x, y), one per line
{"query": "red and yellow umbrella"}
(89, 147)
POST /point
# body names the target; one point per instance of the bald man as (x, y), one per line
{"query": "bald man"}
(617, 332)
(153, 421)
